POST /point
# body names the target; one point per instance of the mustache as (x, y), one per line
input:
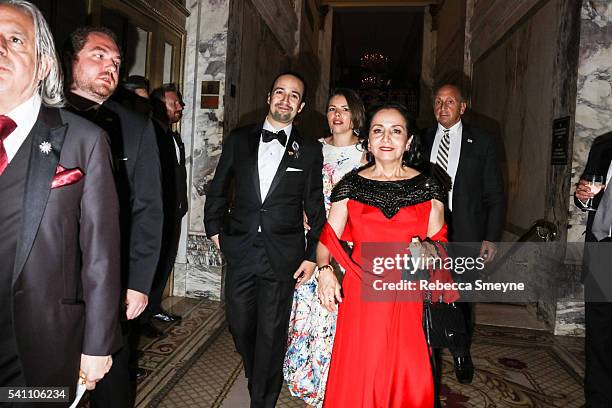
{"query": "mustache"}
(280, 104)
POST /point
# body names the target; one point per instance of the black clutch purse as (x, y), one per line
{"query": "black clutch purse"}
(443, 323)
(444, 326)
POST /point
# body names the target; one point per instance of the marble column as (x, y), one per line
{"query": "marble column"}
(199, 273)
(593, 118)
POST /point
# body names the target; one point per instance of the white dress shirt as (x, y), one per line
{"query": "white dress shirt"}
(24, 116)
(454, 152)
(269, 157)
(177, 150)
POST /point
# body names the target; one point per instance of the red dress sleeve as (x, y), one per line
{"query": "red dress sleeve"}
(330, 240)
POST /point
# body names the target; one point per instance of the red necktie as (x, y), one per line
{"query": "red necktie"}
(6, 128)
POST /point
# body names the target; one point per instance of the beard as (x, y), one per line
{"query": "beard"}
(90, 86)
(282, 117)
(102, 91)
(175, 117)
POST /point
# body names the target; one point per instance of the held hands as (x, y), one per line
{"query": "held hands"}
(328, 288)
(93, 368)
(304, 273)
(136, 303)
(583, 192)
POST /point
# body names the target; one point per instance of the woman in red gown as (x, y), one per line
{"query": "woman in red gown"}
(380, 357)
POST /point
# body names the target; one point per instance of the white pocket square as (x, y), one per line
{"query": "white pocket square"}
(293, 169)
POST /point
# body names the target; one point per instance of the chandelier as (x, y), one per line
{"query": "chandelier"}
(369, 81)
(373, 61)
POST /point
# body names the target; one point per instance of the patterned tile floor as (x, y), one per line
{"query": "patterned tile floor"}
(196, 365)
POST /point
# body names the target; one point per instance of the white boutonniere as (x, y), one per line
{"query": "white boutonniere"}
(295, 150)
(45, 147)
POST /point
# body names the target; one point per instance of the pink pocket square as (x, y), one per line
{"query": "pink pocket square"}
(65, 177)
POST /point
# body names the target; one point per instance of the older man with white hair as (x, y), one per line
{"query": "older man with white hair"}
(59, 226)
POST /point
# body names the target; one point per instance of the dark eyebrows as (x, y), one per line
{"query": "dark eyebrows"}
(280, 88)
(105, 50)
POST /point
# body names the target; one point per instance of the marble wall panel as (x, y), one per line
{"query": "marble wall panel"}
(205, 60)
(211, 53)
(203, 277)
(593, 118)
(594, 99)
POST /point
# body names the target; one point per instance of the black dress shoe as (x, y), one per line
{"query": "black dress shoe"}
(464, 369)
(141, 374)
(167, 317)
(150, 331)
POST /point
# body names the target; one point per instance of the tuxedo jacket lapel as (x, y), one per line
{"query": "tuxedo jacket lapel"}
(282, 167)
(253, 151)
(41, 169)
(466, 148)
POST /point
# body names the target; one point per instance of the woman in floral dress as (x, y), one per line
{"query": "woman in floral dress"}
(312, 327)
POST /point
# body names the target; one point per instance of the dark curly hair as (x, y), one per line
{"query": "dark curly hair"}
(75, 43)
(413, 157)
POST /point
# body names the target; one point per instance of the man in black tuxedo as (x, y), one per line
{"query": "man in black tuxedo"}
(167, 110)
(93, 60)
(475, 211)
(597, 258)
(276, 175)
(59, 221)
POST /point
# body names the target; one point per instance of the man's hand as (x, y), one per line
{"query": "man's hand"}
(583, 192)
(304, 272)
(136, 303)
(93, 368)
(488, 250)
(306, 226)
(215, 240)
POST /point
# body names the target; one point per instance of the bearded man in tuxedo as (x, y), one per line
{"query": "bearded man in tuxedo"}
(276, 178)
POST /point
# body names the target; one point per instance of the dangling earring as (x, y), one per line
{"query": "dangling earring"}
(356, 132)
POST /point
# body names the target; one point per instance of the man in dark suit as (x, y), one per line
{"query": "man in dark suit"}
(475, 211)
(597, 258)
(93, 60)
(133, 93)
(276, 176)
(167, 110)
(59, 225)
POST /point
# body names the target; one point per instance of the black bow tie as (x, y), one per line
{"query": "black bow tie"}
(268, 136)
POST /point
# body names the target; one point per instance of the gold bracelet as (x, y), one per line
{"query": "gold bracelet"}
(328, 266)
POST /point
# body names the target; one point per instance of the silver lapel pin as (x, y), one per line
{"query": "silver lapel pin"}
(45, 147)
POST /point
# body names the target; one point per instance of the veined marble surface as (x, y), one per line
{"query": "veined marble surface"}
(202, 275)
(570, 318)
(205, 60)
(593, 118)
(594, 98)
